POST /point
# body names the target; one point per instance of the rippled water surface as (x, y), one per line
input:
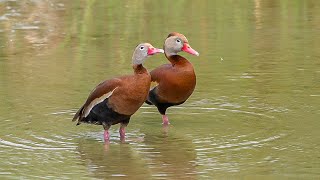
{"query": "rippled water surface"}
(254, 114)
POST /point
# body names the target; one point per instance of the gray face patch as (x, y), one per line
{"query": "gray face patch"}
(173, 45)
(140, 54)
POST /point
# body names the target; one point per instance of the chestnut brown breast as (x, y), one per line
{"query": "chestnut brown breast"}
(128, 98)
(176, 81)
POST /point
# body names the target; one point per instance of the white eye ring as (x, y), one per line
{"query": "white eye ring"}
(142, 47)
(178, 40)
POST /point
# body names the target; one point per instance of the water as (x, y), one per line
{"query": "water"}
(254, 113)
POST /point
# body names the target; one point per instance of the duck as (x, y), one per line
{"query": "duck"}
(175, 81)
(115, 100)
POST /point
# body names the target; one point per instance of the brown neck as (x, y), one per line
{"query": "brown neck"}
(139, 69)
(176, 59)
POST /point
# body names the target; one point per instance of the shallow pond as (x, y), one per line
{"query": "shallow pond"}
(254, 114)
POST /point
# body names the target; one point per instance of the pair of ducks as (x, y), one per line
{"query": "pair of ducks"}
(115, 100)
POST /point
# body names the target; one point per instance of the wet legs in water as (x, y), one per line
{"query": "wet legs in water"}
(106, 135)
(122, 131)
(165, 120)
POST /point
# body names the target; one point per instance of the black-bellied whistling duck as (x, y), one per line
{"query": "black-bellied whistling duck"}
(115, 100)
(176, 81)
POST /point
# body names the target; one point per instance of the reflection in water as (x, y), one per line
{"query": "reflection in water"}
(227, 141)
(254, 112)
(169, 156)
(32, 23)
(119, 160)
(156, 156)
(257, 13)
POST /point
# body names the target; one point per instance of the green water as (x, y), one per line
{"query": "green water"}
(254, 113)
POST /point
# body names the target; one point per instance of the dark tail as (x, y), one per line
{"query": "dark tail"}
(148, 102)
(151, 97)
(77, 115)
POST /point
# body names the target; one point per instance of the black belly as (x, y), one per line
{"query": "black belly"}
(162, 106)
(102, 114)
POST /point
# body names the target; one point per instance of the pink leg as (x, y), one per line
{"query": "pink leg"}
(122, 131)
(165, 120)
(106, 136)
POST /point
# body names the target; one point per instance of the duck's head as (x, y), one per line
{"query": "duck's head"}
(143, 51)
(177, 42)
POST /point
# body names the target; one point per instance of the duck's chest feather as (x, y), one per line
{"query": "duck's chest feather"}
(176, 81)
(128, 97)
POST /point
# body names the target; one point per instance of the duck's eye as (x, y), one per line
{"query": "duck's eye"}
(178, 41)
(142, 47)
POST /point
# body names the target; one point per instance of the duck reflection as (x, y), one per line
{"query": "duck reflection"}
(117, 159)
(156, 156)
(170, 155)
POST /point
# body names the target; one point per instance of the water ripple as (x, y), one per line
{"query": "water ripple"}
(205, 110)
(65, 111)
(223, 103)
(216, 154)
(21, 26)
(35, 142)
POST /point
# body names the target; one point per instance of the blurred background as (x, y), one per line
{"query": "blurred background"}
(254, 113)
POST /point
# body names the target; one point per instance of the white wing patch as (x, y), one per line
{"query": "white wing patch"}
(97, 101)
